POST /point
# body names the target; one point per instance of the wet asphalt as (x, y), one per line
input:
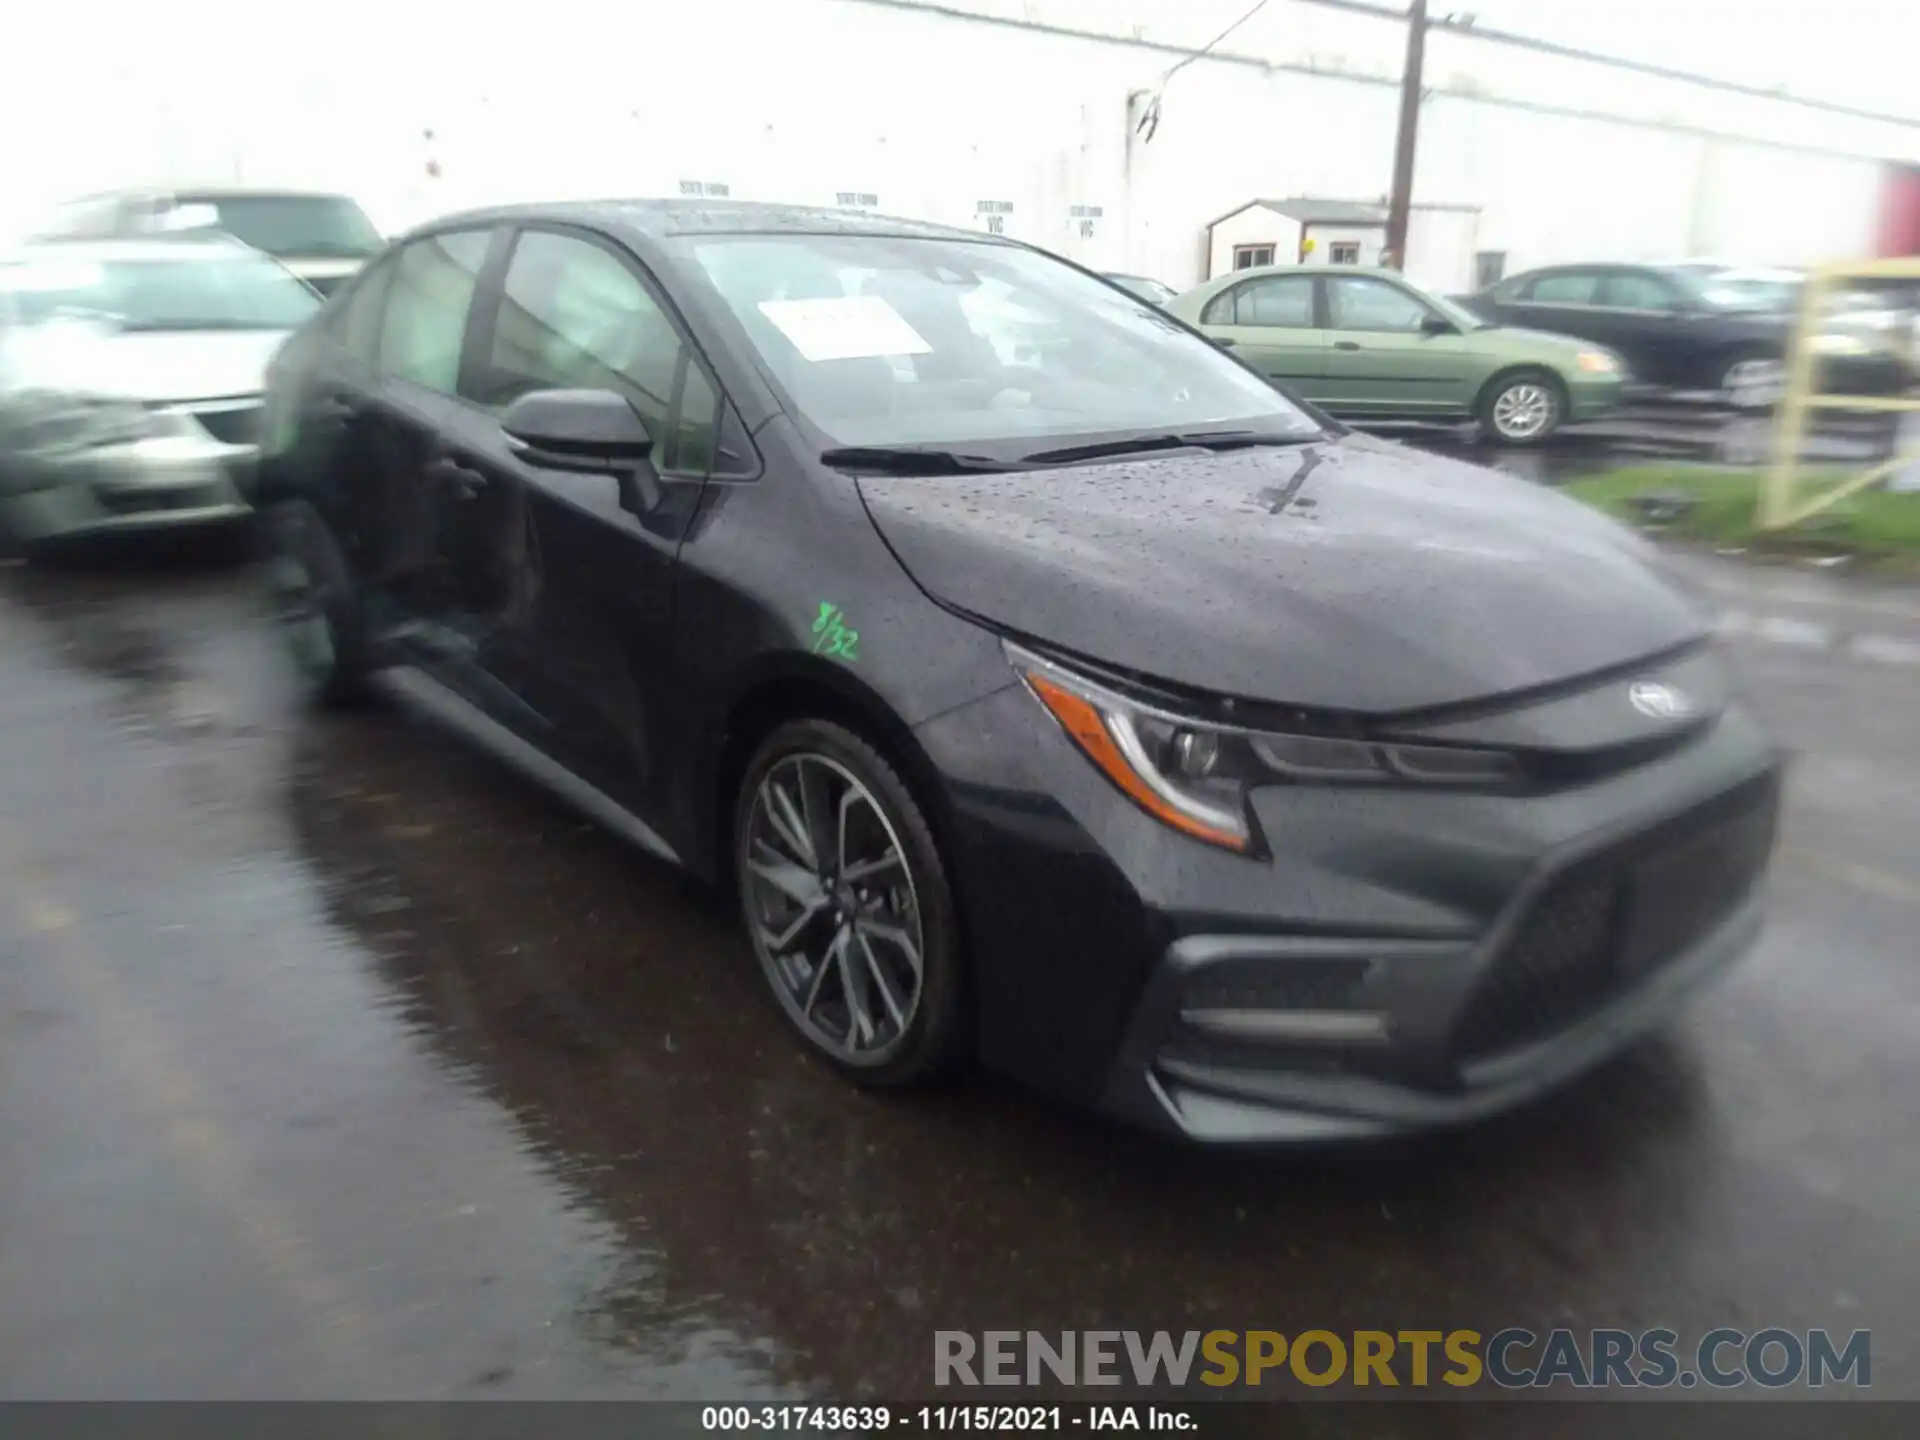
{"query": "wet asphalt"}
(336, 1063)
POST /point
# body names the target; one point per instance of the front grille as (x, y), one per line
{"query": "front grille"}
(1612, 920)
(237, 424)
(1556, 968)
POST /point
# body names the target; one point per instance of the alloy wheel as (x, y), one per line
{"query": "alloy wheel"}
(1524, 411)
(832, 909)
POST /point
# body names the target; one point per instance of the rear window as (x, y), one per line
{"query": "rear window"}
(311, 225)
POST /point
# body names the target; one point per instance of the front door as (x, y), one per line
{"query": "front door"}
(1382, 360)
(1562, 302)
(416, 510)
(580, 568)
(1645, 323)
(1269, 322)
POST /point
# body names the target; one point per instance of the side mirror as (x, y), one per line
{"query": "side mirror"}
(590, 431)
(1438, 325)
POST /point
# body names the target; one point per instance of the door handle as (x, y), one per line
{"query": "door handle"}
(464, 480)
(1224, 343)
(1346, 344)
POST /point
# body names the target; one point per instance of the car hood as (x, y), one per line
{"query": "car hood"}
(147, 365)
(1351, 575)
(1534, 344)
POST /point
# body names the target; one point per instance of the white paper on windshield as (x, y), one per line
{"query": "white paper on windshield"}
(844, 327)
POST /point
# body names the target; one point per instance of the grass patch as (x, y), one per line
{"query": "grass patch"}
(1875, 525)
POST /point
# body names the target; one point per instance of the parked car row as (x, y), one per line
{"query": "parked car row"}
(1547, 347)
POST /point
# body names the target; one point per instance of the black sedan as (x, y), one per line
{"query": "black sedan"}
(1673, 325)
(1090, 708)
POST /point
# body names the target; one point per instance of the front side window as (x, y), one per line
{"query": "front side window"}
(892, 341)
(235, 291)
(1628, 291)
(1357, 302)
(356, 324)
(574, 316)
(424, 323)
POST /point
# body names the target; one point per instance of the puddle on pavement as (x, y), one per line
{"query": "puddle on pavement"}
(615, 1012)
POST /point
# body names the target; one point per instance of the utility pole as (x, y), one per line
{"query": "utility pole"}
(1401, 201)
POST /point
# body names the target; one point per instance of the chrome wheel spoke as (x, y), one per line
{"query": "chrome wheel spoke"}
(785, 940)
(848, 801)
(816, 809)
(867, 869)
(825, 968)
(898, 937)
(896, 1008)
(861, 1031)
(790, 825)
(796, 882)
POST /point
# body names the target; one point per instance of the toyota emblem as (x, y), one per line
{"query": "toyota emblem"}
(1659, 702)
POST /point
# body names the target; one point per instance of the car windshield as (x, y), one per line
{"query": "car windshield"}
(294, 224)
(241, 292)
(892, 341)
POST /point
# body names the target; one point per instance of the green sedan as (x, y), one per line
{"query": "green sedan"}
(1363, 344)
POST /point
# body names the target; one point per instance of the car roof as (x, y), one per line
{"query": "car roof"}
(109, 252)
(663, 219)
(1255, 272)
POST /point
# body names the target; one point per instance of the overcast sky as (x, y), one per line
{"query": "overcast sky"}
(1861, 52)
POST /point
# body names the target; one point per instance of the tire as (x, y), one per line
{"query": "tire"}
(807, 967)
(1752, 379)
(317, 605)
(1523, 408)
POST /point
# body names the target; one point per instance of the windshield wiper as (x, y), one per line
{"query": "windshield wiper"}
(1175, 440)
(912, 460)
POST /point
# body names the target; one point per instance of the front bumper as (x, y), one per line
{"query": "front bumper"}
(1591, 396)
(148, 485)
(1404, 960)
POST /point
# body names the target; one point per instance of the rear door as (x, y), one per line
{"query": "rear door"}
(581, 608)
(1271, 323)
(1382, 361)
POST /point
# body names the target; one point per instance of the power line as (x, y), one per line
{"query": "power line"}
(1150, 114)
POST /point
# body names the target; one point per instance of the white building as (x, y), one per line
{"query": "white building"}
(1053, 120)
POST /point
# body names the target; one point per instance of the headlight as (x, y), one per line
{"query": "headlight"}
(1596, 362)
(84, 422)
(1835, 342)
(1195, 774)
